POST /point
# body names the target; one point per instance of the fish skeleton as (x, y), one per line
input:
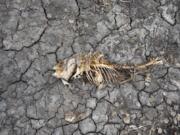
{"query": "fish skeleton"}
(97, 69)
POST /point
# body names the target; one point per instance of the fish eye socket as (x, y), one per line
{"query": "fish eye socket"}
(60, 62)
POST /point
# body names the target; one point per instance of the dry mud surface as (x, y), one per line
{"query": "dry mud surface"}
(34, 34)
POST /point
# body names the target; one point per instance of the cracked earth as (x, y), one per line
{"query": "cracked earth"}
(35, 34)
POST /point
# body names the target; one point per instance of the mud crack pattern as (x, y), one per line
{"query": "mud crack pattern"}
(34, 34)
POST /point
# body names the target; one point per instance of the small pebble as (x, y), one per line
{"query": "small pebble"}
(178, 117)
(166, 121)
(159, 130)
(175, 121)
(126, 119)
(71, 21)
(49, 15)
(173, 113)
